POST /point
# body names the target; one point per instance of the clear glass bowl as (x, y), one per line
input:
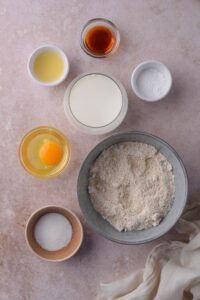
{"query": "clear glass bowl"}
(100, 22)
(50, 171)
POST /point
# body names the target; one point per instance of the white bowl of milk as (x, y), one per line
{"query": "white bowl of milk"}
(95, 103)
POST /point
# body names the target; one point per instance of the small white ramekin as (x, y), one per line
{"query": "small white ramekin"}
(39, 50)
(154, 64)
(95, 130)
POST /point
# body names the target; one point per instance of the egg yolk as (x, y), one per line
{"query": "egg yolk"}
(50, 153)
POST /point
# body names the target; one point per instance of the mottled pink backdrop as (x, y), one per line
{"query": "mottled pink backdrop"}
(165, 30)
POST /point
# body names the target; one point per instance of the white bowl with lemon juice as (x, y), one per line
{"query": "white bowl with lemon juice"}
(48, 65)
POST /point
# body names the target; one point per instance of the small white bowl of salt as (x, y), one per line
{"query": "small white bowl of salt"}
(54, 233)
(151, 80)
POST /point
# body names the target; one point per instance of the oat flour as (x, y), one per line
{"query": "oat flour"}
(132, 186)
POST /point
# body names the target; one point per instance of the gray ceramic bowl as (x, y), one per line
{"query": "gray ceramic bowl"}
(133, 237)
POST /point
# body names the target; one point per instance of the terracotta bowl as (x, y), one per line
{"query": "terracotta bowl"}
(61, 254)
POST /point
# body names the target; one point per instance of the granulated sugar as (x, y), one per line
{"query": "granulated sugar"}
(53, 231)
(152, 83)
(132, 186)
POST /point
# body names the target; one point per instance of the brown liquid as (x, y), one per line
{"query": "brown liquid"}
(100, 40)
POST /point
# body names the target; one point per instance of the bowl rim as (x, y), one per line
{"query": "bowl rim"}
(96, 228)
(135, 74)
(62, 208)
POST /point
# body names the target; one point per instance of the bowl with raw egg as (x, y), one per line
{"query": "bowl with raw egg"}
(44, 152)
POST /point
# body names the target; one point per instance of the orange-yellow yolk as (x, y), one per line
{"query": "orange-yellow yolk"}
(50, 153)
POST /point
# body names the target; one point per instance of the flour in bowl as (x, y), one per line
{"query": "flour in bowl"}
(132, 186)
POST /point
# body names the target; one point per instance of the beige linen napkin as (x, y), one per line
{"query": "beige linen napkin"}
(172, 269)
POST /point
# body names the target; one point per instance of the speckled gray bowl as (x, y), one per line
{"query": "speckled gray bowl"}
(134, 237)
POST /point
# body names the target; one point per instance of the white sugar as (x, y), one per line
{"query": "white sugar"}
(152, 83)
(53, 231)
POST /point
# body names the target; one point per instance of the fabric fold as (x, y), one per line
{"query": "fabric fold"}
(172, 269)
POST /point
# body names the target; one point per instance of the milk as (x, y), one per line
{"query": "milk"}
(95, 100)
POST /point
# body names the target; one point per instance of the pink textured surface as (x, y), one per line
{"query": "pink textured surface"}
(165, 30)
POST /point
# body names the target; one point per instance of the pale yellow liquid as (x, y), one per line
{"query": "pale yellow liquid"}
(49, 66)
